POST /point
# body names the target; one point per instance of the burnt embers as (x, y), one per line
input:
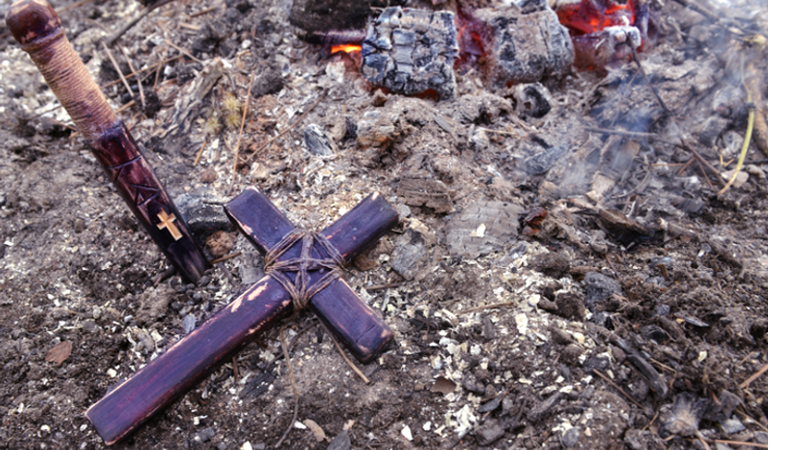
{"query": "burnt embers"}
(412, 52)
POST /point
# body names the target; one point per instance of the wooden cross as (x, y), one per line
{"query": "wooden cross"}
(167, 221)
(301, 262)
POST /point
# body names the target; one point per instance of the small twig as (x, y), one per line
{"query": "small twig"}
(138, 79)
(235, 370)
(201, 12)
(225, 258)
(663, 366)
(751, 115)
(702, 439)
(72, 6)
(522, 124)
(144, 69)
(241, 126)
(189, 26)
(111, 40)
(702, 160)
(614, 385)
(686, 166)
(126, 106)
(119, 72)
(200, 152)
(382, 286)
(481, 308)
(164, 275)
(705, 175)
(187, 54)
(341, 352)
(644, 74)
(636, 134)
(753, 377)
(294, 386)
(286, 130)
(505, 133)
(651, 421)
(751, 444)
(739, 410)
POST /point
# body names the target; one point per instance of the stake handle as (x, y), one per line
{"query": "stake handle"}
(37, 28)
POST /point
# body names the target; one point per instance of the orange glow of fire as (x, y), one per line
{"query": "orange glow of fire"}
(346, 48)
(591, 16)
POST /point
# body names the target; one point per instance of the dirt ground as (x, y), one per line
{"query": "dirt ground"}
(509, 333)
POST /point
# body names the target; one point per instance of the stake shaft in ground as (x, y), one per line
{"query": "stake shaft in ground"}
(37, 28)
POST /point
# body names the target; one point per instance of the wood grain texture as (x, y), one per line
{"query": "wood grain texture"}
(185, 364)
(36, 26)
(362, 331)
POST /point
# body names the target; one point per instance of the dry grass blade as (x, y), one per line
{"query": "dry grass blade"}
(286, 130)
(111, 40)
(754, 377)
(347, 360)
(751, 115)
(138, 80)
(119, 72)
(180, 49)
(294, 386)
(241, 126)
(614, 385)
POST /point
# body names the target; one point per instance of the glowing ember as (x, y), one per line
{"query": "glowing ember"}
(591, 16)
(346, 48)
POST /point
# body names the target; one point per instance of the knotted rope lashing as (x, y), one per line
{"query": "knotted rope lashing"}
(300, 291)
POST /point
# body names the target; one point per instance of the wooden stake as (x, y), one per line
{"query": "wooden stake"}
(37, 28)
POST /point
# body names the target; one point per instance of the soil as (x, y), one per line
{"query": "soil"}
(630, 265)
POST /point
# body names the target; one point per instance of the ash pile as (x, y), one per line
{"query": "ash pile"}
(573, 204)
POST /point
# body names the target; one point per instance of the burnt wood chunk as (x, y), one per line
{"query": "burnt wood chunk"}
(411, 52)
(203, 350)
(525, 43)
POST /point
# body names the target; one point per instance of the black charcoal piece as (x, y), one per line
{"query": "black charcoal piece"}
(541, 162)
(526, 42)
(411, 52)
(323, 20)
(533, 100)
(317, 141)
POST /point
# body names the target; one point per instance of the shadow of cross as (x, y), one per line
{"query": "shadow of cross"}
(262, 305)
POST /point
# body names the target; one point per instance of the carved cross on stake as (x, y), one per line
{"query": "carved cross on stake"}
(302, 269)
(167, 221)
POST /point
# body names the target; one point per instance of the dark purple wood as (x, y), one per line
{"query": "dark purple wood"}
(198, 354)
(188, 362)
(136, 182)
(362, 331)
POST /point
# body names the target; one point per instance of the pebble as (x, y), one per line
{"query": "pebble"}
(340, 442)
(189, 323)
(732, 425)
(598, 288)
(489, 432)
(205, 435)
(570, 438)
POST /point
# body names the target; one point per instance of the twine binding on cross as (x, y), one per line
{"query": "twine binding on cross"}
(300, 291)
